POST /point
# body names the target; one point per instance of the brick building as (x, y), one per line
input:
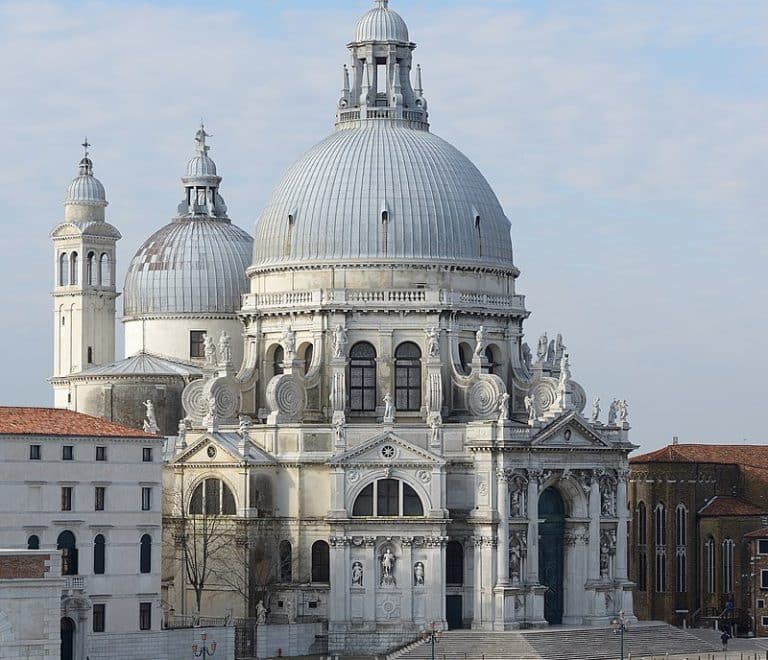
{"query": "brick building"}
(758, 554)
(693, 507)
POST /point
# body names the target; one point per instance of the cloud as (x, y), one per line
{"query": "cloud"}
(626, 140)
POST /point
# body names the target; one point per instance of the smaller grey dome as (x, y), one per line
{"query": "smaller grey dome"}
(201, 165)
(86, 188)
(381, 24)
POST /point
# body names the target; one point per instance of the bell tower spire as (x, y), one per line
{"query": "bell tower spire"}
(84, 291)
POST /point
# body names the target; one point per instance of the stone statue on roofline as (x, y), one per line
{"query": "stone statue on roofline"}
(150, 423)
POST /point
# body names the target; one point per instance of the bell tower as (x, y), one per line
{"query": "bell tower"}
(84, 291)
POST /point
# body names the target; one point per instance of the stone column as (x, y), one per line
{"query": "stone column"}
(532, 502)
(405, 578)
(593, 565)
(621, 528)
(502, 550)
(477, 576)
(338, 595)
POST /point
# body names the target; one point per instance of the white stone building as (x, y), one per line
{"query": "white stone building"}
(90, 491)
(378, 447)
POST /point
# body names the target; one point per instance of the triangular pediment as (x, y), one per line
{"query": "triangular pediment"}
(390, 449)
(222, 449)
(569, 431)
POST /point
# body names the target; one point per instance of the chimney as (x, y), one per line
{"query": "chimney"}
(675, 440)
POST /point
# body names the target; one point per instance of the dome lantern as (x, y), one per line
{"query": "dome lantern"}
(85, 189)
(381, 63)
(202, 182)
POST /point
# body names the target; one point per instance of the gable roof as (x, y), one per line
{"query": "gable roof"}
(725, 505)
(758, 534)
(754, 455)
(64, 423)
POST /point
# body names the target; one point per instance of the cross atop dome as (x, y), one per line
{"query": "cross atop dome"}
(86, 164)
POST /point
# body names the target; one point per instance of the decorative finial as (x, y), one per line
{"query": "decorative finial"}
(200, 139)
(382, 4)
(85, 146)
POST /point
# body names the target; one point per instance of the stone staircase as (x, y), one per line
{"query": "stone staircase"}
(643, 640)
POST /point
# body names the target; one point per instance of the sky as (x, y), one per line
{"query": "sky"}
(627, 141)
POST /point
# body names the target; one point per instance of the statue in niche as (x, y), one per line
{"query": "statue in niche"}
(435, 421)
(357, 574)
(605, 558)
(338, 429)
(150, 423)
(261, 613)
(339, 341)
(389, 409)
(418, 574)
(608, 508)
(388, 568)
(516, 498)
(541, 349)
(289, 343)
(526, 353)
(210, 351)
(225, 348)
(433, 343)
(479, 341)
(517, 543)
(503, 406)
(596, 411)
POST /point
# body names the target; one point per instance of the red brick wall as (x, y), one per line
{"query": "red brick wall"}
(23, 566)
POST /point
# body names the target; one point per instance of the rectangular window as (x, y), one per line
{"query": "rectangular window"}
(99, 617)
(145, 616)
(66, 498)
(197, 343)
(728, 566)
(146, 499)
(101, 453)
(67, 453)
(765, 620)
(146, 454)
(34, 452)
(764, 579)
(98, 501)
(762, 547)
(760, 603)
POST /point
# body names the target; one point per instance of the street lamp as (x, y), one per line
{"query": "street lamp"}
(204, 651)
(620, 625)
(432, 635)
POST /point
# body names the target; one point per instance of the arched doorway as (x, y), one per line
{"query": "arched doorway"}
(551, 528)
(67, 639)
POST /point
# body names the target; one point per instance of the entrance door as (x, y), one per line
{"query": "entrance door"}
(67, 639)
(453, 612)
(552, 514)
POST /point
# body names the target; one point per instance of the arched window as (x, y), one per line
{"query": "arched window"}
(492, 356)
(642, 570)
(465, 358)
(388, 498)
(642, 524)
(728, 566)
(681, 525)
(454, 563)
(145, 554)
(66, 543)
(709, 550)
(105, 278)
(362, 377)
(479, 235)
(309, 352)
(90, 269)
(33, 542)
(286, 561)
(99, 554)
(212, 497)
(321, 565)
(63, 269)
(660, 525)
(74, 275)
(681, 566)
(661, 569)
(277, 360)
(408, 377)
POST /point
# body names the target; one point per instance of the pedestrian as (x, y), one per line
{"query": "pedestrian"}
(724, 639)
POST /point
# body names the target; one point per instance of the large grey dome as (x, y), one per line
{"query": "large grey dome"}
(329, 205)
(191, 266)
(196, 264)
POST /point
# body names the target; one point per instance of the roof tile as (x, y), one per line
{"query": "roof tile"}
(723, 505)
(58, 422)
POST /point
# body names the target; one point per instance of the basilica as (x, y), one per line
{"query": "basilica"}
(355, 426)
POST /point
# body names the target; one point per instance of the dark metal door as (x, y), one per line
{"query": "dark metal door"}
(552, 511)
(453, 612)
(67, 639)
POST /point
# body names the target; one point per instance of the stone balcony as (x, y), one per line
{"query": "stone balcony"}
(421, 299)
(74, 583)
